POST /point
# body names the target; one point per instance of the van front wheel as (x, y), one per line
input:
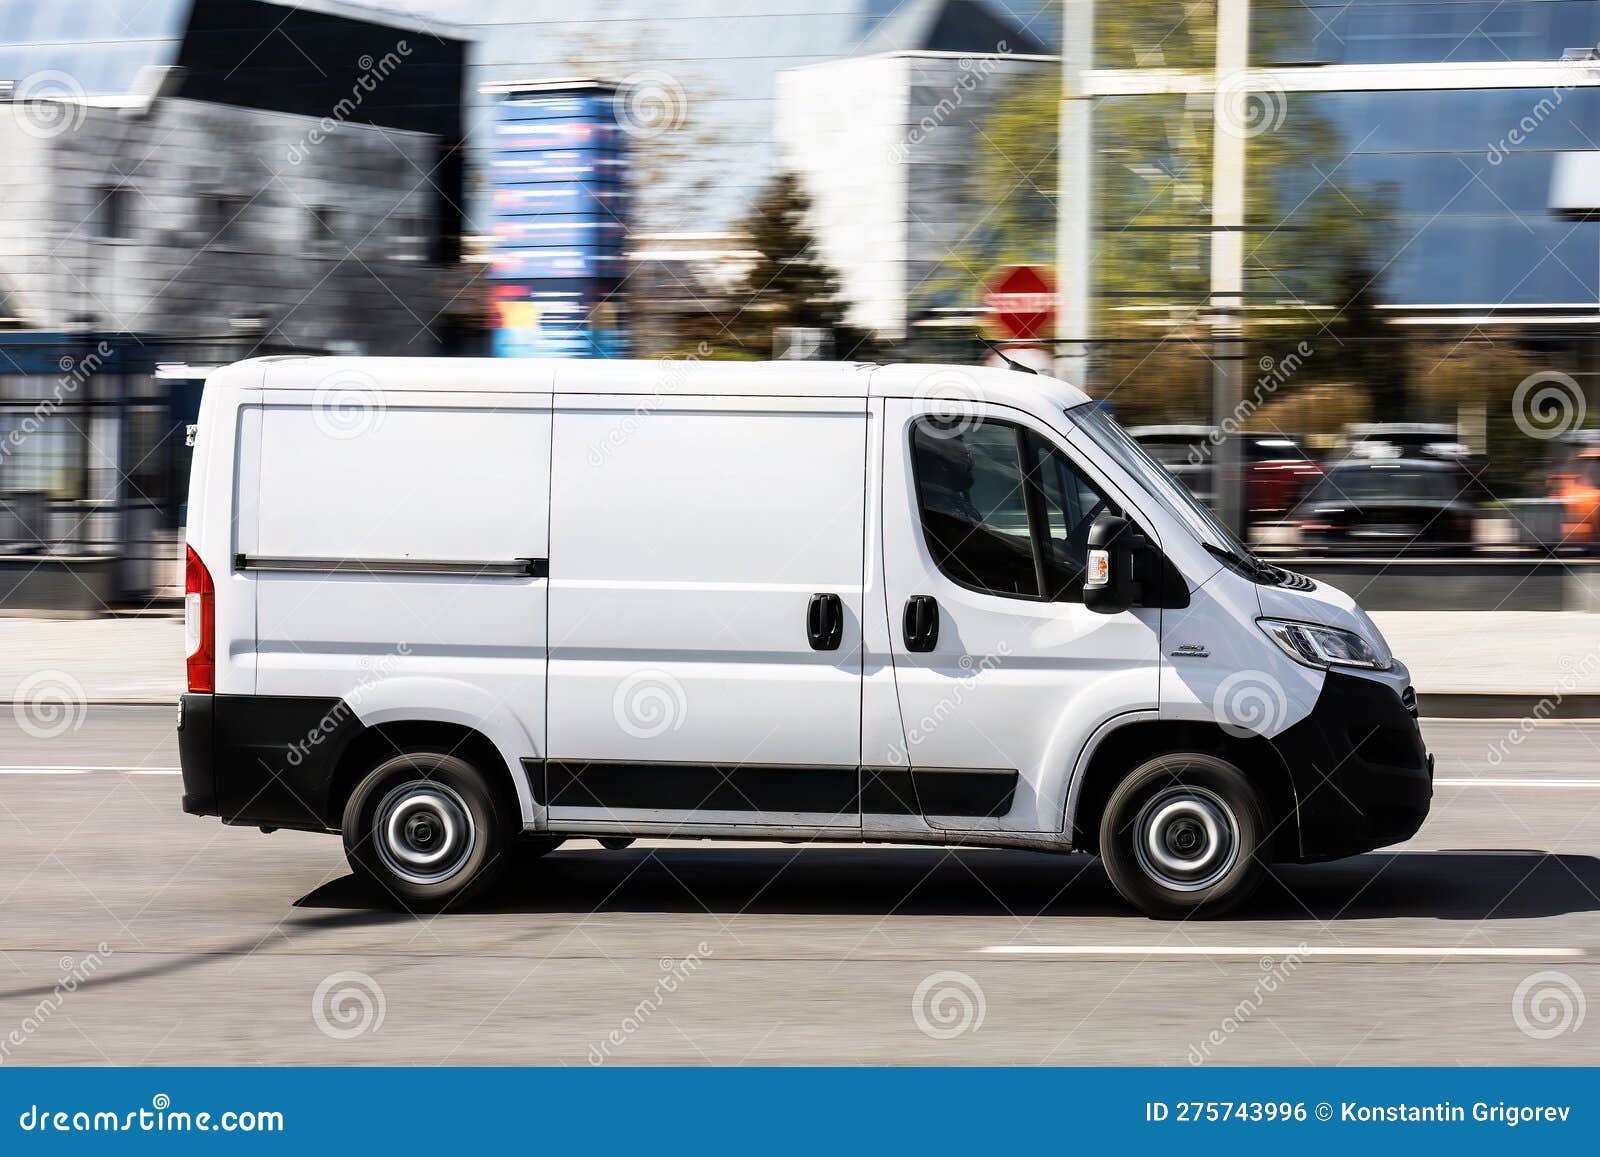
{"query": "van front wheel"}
(425, 828)
(1181, 835)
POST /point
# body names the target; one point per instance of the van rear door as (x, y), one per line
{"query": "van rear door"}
(705, 610)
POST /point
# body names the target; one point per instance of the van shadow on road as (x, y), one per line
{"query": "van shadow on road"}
(1450, 885)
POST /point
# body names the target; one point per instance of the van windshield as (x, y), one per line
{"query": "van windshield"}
(1103, 430)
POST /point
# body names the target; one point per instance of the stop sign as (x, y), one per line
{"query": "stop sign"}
(1021, 302)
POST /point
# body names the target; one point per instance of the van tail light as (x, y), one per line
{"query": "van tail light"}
(199, 623)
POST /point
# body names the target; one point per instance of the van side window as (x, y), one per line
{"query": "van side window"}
(973, 486)
(974, 510)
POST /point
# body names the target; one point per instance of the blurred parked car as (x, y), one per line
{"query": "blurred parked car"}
(1279, 471)
(1389, 502)
(1578, 488)
(1402, 440)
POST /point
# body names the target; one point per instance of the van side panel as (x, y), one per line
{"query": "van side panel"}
(399, 564)
(688, 538)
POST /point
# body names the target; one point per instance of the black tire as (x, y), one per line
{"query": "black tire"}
(616, 843)
(424, 804)
(1182, 836)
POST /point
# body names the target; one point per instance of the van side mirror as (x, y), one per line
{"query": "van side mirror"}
(1109, 585)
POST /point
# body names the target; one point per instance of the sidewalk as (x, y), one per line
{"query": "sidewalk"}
(1463, 663)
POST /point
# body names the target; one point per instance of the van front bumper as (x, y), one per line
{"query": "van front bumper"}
(1362, 775)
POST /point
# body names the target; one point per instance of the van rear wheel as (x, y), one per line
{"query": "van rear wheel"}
(426, 828)
(1181, 836)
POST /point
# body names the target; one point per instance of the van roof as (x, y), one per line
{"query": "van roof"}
(661, 376)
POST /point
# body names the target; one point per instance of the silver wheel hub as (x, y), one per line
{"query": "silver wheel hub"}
(424, 832)
(1186, 838)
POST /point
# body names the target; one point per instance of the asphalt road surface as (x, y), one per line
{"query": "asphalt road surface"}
(133, 934)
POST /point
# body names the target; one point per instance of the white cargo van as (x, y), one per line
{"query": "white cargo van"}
(454, 609)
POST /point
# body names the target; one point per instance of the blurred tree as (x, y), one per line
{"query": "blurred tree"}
(788, 284)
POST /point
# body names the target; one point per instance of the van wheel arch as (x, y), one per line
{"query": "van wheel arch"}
(1127, 747)
(375, 744)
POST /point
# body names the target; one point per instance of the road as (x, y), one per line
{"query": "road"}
(131, 933)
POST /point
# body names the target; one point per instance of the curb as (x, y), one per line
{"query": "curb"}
(1499, 705)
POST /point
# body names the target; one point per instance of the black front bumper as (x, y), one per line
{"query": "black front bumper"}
(1362, 775)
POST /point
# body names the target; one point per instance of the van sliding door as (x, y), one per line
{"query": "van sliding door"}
(705, 611)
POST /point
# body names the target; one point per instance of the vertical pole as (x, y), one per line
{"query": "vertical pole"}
(1227, 255)
(1074, 228)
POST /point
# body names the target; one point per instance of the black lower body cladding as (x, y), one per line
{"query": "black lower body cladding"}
(1362, 775)
(263, 759)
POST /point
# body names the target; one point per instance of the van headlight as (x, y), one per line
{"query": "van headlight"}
(1319, 646)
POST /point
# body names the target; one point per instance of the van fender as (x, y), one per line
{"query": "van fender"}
(1080, 768)
(1117, 695)
(430, 699)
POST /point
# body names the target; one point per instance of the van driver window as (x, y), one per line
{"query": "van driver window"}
(974, 510)
(974, 505)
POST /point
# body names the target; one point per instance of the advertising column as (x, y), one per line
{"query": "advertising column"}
(558, 177)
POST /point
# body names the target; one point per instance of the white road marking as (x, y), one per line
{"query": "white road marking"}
(89, 770)
(1482, 781)
(1201, 951)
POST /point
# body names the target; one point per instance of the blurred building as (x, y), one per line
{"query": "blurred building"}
(192, 183)
(1404, 156)
(884, 142)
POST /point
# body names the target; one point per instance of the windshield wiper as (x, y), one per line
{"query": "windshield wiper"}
(1248, 563)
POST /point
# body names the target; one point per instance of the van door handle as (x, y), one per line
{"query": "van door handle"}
(825, 622)
(921, 623)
